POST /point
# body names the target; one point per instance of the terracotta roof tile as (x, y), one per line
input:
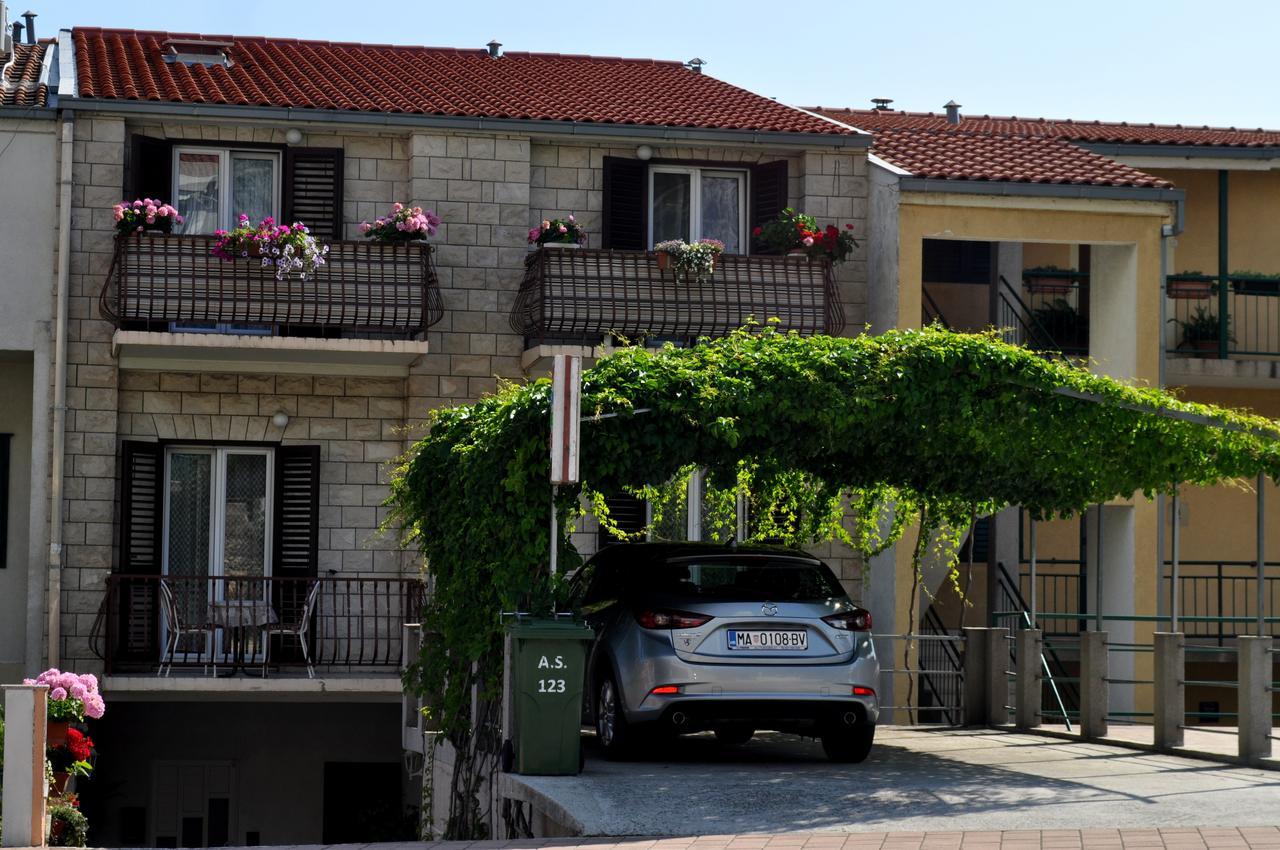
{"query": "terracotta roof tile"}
(1003, 158)
(1100, 132)
(20, 82)
(128, 64)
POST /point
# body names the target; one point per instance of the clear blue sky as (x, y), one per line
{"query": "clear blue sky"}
(1178, 61)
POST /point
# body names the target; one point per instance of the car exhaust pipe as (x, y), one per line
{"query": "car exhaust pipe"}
(679, 718)
(850, 718)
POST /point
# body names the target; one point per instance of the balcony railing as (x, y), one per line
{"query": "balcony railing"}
(584, 295)
(172, 282)
(351, 623)
(1250, 304)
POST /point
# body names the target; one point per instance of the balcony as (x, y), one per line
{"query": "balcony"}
(175, 305)
(1244, 350)
(199, 629)
(582, 297)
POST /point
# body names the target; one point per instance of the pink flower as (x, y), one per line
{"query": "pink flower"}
(570, 218)
(397, 206)
(58, 693)
(564, 229)
(28, 681)
(365, 227)
(533, 234)
(807, 241)
(546, 225)
(78, 690)
(94, 707)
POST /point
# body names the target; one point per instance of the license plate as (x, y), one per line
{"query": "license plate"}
(770, 639)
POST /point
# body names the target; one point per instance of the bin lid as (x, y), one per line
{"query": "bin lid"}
(549, 629)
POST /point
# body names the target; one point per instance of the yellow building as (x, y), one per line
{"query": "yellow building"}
(1120, 246)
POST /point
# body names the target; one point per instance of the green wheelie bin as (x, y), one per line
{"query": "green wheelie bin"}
(548, 673)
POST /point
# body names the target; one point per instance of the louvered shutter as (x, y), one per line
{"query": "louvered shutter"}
(313, 190)
(141, 519)
(628, 512)
(768, 195)
(624, 222)
(151, 168)
(296, 522)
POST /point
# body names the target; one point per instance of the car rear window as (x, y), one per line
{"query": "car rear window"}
(751, 579)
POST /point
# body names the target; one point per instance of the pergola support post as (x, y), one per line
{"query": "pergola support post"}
(24, 754)
(1093, 684)
(1030, 649)
(1169, 705)
(1255, 697)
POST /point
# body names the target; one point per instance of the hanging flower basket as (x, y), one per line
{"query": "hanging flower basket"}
(1049, 280)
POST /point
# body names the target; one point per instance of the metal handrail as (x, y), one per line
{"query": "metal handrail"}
(1015, 595)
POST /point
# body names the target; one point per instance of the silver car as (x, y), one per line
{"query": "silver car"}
(694, 636)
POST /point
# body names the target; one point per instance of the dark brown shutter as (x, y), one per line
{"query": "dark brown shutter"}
(313, 190)
(624, 223)
(628, 512)
(141, 518)
(141, 508)
(768, 195)
(151, 168)
(296, 524)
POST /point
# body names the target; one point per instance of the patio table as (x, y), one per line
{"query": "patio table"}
(238, 616)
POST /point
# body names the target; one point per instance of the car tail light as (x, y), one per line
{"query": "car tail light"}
(665, 690)
(857, 620)
(651, 619)
(859, 691)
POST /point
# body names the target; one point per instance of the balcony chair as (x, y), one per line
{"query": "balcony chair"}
(299, 628)
(176, 629)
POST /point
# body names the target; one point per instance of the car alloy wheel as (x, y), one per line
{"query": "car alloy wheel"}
(607, 714)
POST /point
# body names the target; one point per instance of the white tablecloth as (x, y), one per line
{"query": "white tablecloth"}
(242, 613)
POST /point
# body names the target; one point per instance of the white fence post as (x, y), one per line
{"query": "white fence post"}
(25, 789)
(1255, 697)
(1170, 704)
(1030, 681)
(1094, 666)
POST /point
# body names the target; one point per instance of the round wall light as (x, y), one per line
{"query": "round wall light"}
(293, 135)
(280, 420)
(644, 152)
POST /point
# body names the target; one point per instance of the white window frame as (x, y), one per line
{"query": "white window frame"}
(218, 509)
(226, 216)
(696, 173)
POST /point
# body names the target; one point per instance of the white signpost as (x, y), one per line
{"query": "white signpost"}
(566, 406)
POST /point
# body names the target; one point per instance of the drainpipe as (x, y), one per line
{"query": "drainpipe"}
(60, 390)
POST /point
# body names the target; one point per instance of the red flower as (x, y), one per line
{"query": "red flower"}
(849, 226)
(79, 745)
(757, 231)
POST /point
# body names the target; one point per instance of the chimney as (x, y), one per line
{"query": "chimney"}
(30, 18)
(881, 103)
(953, 112)
(17, 33)
(495, 48)
(695, 65)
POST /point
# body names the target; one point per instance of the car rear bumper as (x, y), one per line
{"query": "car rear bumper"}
(786, 712)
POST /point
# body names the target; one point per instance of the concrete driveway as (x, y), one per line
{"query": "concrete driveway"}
(915, 780)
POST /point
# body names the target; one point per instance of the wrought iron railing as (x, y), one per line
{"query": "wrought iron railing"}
(173, 282)
(1050, 315)
(345, 622)
(1250, 304)
(586, 295)
(1218, 600)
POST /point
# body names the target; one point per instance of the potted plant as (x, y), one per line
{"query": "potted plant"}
(1247, 282)
(145, 214)
(72, 758)
(72, 697)
(799, 234)
(68, 827)
(402, 224)
(1200, 332)
(287, 248)
(1062, 322)
(1189, 285)
(557, 233)
(1049, 280)
(694, 262)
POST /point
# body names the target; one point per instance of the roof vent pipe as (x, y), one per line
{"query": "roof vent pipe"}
(953, 112)
(17, 33)
(695, 65)
(881, 103)
(30, 18)
(495, 48)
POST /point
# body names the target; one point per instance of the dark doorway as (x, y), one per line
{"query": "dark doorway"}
(363, 804)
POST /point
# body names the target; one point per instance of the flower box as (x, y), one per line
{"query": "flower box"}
(1188, 286)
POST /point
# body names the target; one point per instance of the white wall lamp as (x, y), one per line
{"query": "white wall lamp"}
(293, 135)
(644, 152)
(280, 419)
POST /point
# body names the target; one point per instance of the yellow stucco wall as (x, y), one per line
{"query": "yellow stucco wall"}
(1253, 220)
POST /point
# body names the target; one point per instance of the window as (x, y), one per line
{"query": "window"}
(213, 186)
(691, 203)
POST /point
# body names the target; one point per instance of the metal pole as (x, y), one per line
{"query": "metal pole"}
(1032, 593)
(1097, 578)
(554, 531)
(1224, 309)
(1262, 553)
(1173, 570)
